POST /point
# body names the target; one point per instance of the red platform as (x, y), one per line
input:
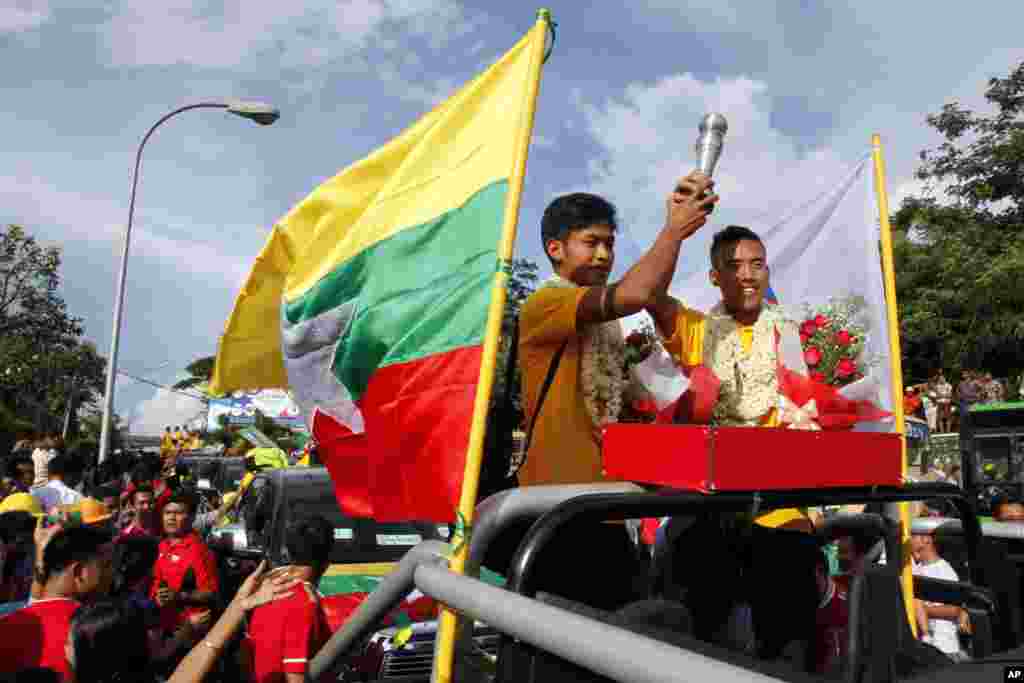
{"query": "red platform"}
(750, 459)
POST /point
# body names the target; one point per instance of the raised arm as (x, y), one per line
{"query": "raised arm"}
(646, 283)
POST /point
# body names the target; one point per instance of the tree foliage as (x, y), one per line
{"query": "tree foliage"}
(30, 303)
(200, 371)
(46, 366)
(522, 281)
(959, 259)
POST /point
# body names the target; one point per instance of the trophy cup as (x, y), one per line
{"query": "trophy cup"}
(710, 134)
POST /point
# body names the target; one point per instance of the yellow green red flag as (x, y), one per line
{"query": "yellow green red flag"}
(370, 298)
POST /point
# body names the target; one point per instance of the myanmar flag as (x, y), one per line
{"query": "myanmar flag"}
(370, 299)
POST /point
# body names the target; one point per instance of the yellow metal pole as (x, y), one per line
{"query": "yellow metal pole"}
(895, 364)
(448, 623)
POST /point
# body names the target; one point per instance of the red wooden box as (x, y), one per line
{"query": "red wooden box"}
(749, 459)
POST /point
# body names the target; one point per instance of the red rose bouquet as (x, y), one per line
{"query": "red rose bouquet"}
(833, 339)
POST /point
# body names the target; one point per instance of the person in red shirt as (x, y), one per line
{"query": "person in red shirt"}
(145, 521)
(185, 581)
(284, 635)
(76, 567)
(144, 475)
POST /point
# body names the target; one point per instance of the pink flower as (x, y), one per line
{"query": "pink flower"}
(845, 368)
(808, 328)
(844, 338)
(821, 321)
(803, 338)
(812, 356)
(818, 377)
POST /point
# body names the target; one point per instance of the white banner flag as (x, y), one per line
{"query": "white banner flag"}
(824, 260)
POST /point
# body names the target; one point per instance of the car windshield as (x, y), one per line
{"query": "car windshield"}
(357, 540)
(231, 475)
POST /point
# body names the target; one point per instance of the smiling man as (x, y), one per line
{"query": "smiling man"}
(737, 339)
(568, 328)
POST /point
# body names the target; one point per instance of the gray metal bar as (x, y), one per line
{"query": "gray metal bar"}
(508, 507)
(502, 510)
(600, 647)
(388, 595)
(926, 525)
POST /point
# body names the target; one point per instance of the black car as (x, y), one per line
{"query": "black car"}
(278, 497)
(229, 474)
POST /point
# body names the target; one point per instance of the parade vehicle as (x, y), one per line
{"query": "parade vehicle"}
(992, 452)
(363, 552)
(547, 637)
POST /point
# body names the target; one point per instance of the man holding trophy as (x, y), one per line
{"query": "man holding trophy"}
(571, 345)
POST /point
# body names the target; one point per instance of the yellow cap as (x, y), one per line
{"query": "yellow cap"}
(93, 511)
(21, 502)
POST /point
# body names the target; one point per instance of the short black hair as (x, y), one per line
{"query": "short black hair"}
(134, 557)
(141, 472)
(183, 497)
(107, 491)
(16, 525)
(727, 237)
(575, 211)
(58, 465)
(74, 544)
(12, 464)
(864, 541)
(309, 541)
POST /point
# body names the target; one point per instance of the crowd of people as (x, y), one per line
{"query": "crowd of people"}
(105, 576)
(941, 404)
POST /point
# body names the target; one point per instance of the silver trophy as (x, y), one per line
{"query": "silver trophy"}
(710, 134)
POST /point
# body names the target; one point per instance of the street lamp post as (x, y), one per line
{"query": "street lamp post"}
(262, 114)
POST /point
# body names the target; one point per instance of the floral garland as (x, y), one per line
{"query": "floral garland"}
(602, 366)
(749, 382)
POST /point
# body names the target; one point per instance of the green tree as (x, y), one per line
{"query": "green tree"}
(30, 302)
(46, 369)
(522, 282)
(959, 261)
(200, 371)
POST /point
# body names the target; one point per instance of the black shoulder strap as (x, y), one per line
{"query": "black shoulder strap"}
(552, 369)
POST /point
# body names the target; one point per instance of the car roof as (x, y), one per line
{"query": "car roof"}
(297, 474)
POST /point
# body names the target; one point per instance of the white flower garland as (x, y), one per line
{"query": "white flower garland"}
(749, 382)
(602, 366)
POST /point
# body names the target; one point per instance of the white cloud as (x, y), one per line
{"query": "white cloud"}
(647, 140)
(164, 408)
(253, 36)
(23, 15)
(89, 218)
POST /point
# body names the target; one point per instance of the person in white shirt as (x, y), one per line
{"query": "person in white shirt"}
(937, 624)
(56, 492)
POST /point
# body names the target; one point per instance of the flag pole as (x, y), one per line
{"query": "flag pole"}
(444, 651)
(895, 365)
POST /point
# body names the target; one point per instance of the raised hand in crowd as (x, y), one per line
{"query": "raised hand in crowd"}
(258, 589)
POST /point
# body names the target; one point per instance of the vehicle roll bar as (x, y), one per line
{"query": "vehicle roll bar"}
(387, 596)
(926, 525)
(598, 507)
(586, 642)
(493, 515)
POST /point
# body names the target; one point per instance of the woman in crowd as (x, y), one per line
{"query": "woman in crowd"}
(107, 641)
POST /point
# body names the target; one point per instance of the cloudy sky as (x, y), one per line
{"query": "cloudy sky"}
(803, 84)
